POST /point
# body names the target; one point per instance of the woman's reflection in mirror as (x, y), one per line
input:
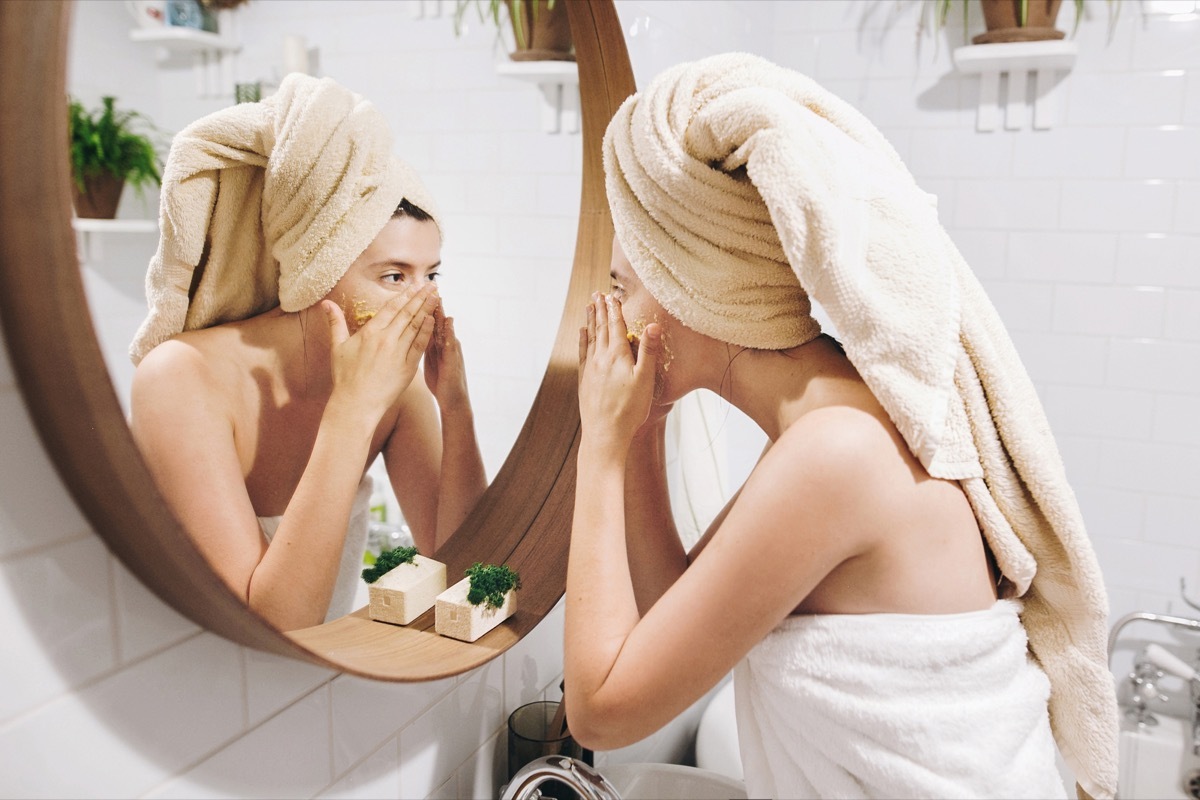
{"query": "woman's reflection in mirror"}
(292, 303)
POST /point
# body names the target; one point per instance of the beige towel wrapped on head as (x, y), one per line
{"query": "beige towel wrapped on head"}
(269, 203)
(739, 188)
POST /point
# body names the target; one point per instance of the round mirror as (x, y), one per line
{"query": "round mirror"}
(523, 518)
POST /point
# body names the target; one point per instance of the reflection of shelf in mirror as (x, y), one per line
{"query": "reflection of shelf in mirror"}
(184, 39)
(1017, 59)
(89, 228)
(559, 83)
(213, 54)
(362, 646)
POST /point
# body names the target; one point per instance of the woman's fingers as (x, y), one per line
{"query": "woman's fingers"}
(422, 335)
(395, 304)
(590, 327)
(416, 313)
(338, 332)
(616, 321)
(583, 346)
(423, 301)
(600, 304)
(649, 349)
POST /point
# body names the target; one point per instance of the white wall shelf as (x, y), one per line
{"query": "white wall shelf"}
(89, 231)
(214, 55)
(184, 39)
(559, 84)
(1017, 60)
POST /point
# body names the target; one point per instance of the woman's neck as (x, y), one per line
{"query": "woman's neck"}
(776, 387)
(297, 344)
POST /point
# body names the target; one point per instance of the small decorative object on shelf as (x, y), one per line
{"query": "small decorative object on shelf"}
(477, 603)
(403, 585)
(247, 92)
(108, 149)
(191, 14)
(205, 29)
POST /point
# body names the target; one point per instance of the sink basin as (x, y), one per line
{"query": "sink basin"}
(671, 782)
(1157, 761)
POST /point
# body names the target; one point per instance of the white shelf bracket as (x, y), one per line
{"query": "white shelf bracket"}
(425, 9)
(90, 231)
(214, 57)
(1017, 60)
(558, 82)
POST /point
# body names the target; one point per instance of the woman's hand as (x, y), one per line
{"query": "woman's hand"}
(375, 365)
(615, 390)
(445, 373)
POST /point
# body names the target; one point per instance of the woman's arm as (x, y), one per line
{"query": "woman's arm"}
(655, 552)
(433, 454)
(463, 480)
(629, 674)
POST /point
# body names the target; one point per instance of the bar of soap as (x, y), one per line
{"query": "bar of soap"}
(459, 619)
(406, 591)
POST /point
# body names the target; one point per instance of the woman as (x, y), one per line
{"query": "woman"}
(853, 583)
(259, 426)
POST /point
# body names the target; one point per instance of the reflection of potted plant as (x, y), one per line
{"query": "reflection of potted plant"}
(107, 151)
(540, 27)
(477, 603)
(403, 585)
(1013, 20)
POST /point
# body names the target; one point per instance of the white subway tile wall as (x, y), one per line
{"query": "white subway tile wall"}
(1087, 238)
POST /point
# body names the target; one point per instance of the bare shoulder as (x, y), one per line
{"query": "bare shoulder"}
(840, 469)
(183, 373)
(838, 445)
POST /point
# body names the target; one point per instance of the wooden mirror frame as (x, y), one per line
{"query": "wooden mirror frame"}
(523, 519)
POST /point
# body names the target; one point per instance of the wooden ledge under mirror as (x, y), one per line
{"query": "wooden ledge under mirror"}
(523, 520)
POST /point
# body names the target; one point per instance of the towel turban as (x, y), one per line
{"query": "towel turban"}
(738, 189)
(269, 203)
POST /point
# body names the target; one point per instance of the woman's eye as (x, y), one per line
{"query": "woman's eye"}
(394, 277)
(433, 276)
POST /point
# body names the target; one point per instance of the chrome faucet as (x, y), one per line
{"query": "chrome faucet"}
(1144, 680)
(587, 782)
(1168, 662)
(1143, 677)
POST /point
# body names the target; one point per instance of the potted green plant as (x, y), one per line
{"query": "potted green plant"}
(108, 150)
(1013, 20)
(540, 27)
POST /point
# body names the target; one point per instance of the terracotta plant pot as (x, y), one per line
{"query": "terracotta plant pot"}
(1003, 21)
(100, 196)
(551, 32)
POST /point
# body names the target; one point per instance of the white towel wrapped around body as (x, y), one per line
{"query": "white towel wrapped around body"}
(738, 190)
(896, 706)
